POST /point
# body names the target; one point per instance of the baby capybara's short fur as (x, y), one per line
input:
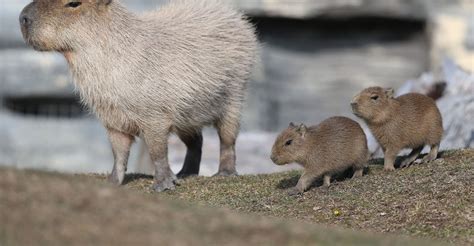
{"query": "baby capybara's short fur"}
(409, 121)
(173, 70)
(333, 146)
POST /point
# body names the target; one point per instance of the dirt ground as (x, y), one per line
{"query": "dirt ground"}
(433, 201)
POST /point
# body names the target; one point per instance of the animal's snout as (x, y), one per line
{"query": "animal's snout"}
(26, 16)
(354, 105)
(25, 20)
(274, 158)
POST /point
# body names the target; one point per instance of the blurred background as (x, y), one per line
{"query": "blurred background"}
(316, 54)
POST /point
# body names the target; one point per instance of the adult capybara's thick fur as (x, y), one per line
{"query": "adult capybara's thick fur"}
(333, 146)
(409, 121)
(176, 69)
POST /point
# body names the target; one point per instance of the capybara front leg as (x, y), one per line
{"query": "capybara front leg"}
(358, 172)
(121, 143)
(304, 183)
(158, 146)
(327, 180)
(389, 160)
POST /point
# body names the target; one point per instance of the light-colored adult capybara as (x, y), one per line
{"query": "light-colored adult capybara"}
(333, 146)
(409, 121)
(173, 70)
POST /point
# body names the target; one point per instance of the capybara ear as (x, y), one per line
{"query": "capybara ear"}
(390, 92)
(292, 125)
(302, 130)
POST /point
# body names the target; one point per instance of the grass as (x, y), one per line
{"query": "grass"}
(39, 208)
(434, 200)
(431, 201)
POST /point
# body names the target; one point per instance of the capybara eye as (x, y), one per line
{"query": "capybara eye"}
(289, 142)
(375, 98)
(73, 4)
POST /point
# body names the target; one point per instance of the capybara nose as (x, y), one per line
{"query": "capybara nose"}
(25, 21)
(353, 104)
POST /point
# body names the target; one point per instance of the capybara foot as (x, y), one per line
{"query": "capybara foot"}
(116, 178)
(184, 175)
(406, 163)
(358, 173)
(294, 191)
(428, 158)
(389, 168)
(166, 184)
(226, 173)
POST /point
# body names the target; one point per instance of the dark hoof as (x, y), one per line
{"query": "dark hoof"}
(226, 174)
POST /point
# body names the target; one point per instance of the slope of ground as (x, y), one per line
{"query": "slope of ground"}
(431, 200)
(51, 209)
(434, 200)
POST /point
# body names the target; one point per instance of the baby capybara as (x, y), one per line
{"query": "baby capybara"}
(409, 121)
(174, 70)
(333, 146)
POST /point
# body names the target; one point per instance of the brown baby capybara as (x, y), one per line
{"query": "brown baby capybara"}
(409, 121)
(175, 70)
(333, 146)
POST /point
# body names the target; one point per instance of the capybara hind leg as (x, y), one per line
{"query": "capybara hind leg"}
(193, 142)
(433, 153)
(389, 160)
(121, 143)
(228, 130)
(411, 157)
(158, 146)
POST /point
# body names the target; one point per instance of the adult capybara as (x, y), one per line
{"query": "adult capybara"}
(409, 121)
(333, 146)
(173, 70)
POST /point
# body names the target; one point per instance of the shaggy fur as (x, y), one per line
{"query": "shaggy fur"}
(333, 146)
(176, 69)
(409, 121)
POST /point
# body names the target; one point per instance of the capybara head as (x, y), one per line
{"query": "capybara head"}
(372, 103)
(290, 145)
(60, 24)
